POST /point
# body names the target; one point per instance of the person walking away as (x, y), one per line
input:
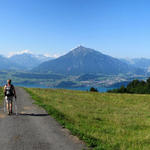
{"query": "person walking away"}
(9, 92)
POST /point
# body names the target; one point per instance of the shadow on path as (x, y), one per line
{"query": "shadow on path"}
(32, 114)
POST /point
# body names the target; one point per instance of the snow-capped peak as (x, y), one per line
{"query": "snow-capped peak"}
(27, 53)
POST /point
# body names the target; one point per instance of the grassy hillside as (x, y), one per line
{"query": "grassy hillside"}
(1, 95)
(103, 120)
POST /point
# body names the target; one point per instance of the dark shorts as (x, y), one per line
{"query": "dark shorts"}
(8, 99)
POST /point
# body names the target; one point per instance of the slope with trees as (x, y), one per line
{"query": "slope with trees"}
(136, 86)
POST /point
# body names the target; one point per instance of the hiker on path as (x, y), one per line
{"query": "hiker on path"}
(9, 92)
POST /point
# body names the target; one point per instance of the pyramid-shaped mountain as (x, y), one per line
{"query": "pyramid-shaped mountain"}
(83, 60)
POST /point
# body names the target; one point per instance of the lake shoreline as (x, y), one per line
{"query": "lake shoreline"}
(100, 89)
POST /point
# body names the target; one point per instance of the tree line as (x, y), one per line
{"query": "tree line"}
(136, 86)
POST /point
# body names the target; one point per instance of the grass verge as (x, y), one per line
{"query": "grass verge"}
(1, 95)
(104, 121)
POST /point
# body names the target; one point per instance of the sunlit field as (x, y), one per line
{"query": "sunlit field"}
(104, 121)
(1, 95)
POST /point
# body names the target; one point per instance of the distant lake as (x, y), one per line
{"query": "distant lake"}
(100, 89)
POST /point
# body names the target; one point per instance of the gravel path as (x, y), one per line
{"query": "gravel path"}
(33, 129)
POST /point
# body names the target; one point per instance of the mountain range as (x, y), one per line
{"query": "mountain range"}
(23, 61)
(6, 64)
(143, 63)
(82, 60)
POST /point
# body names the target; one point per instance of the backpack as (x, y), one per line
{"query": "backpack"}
(9, 90)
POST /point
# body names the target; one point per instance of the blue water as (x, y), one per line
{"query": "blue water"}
(100, 89)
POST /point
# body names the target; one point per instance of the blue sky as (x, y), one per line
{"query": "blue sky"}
(120, 28)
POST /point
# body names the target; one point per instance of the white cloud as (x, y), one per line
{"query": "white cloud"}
(26, 51)
(20, 52)
(47, 55)
(52, 55)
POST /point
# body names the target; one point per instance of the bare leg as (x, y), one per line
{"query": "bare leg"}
(7, 107)
(11, 107)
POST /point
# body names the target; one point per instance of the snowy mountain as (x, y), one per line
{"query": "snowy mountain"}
(28, 60)
(24, 60)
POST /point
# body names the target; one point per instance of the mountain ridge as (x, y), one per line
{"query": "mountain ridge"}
(22, 61)
(83, 60)
(27, 60)
(143, 63)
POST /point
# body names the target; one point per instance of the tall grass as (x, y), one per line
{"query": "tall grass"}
(104, 121)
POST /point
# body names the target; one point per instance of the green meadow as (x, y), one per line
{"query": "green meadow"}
(105, 121)
(1, 95)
